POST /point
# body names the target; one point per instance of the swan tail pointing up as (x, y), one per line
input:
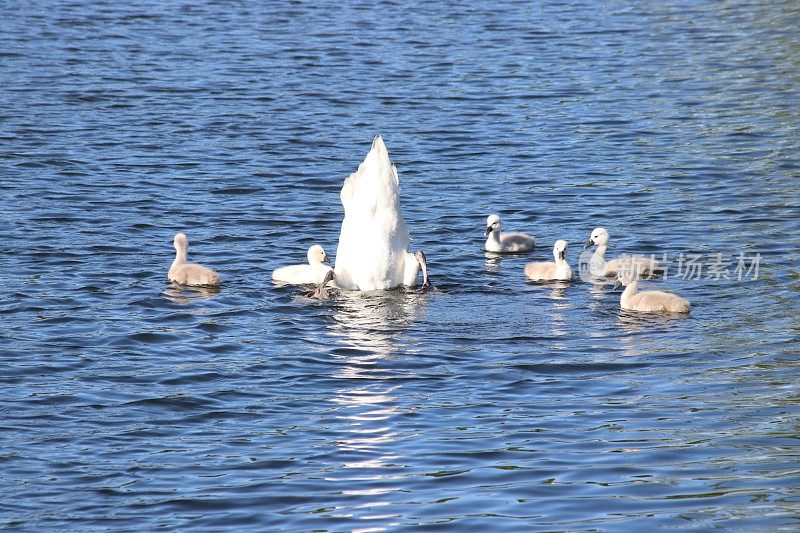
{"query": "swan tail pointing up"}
(374, 238)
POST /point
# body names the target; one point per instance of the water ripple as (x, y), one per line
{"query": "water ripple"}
(490, 403)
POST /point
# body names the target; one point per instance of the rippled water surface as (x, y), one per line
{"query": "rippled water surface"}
(488, 404)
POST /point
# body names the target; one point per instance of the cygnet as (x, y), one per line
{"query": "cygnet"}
(547, 271)
(648, 301)
(598, 266)
(508, 242)
(312, 273)
(185, 273)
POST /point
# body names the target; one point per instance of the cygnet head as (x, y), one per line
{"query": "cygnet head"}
(598, 237)
(560, 250)
(625, 277)
(181, 242)
(316, 254)
(492, 224)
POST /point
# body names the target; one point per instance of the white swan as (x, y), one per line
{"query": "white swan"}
(648, 301)
(508, 242)
(560, 270)
(312, 273)
(185, 273)
(373, 244)
(598, 266)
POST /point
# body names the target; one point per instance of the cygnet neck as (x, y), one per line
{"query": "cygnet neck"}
(180, 256)
(630, 290)
(597, 263)
(601, 250)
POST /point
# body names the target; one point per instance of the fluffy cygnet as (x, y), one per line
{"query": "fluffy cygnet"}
(312, 273)
(508, 242)
(185, 273)
(321, 291)
(546, 271)
(648, 301)
(598, 266)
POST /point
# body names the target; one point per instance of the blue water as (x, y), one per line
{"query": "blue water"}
(127, 404)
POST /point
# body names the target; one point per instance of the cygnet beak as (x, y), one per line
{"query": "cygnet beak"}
(589, 243)
(327, 260)
(488, 230)
(617, 284)
(562, 254)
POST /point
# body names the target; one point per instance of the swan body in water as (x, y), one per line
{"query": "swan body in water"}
(598, 266)
(507, 242)
(312, 273)
(184, 273)
(560, 270)
(649, 301)
(373, 244)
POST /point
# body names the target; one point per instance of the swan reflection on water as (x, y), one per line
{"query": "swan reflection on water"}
(637, 329)
(364, 430)
(558, 290)
(632, 322)
(370, 326)
(553, 311)
(493, 262)
(598, 295)
(182, 294)
(373, 322)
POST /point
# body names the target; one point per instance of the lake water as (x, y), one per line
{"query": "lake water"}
(489, 404)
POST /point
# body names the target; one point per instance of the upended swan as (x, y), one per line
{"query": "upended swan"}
(185, 273)
(648, 301)
(546, 271)
(598, 266)
(508, 242)
(373, 244)
(312, 273)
